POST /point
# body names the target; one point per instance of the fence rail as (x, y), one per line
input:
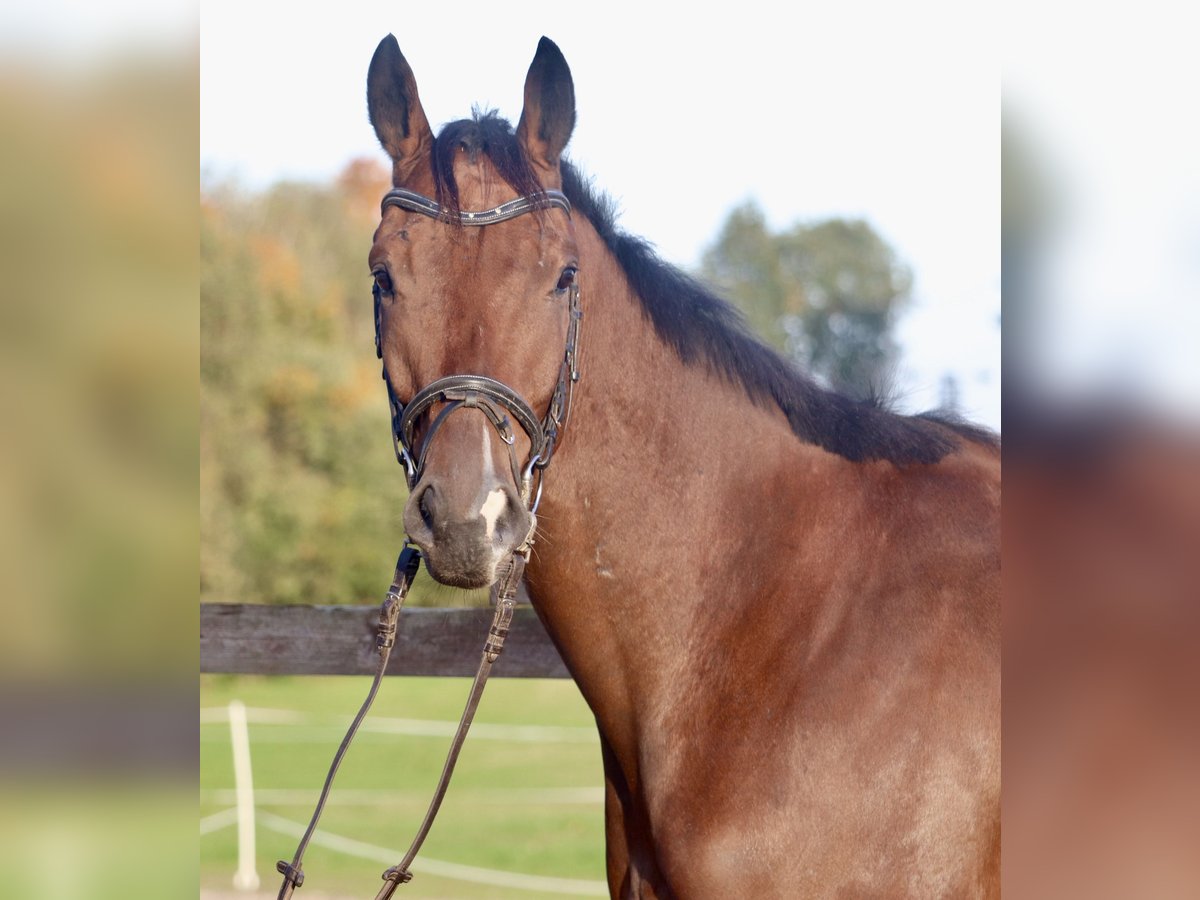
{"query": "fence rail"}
(255, 639)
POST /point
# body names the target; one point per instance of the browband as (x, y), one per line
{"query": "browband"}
(426, 206)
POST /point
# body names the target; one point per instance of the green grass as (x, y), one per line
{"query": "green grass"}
(492, 816)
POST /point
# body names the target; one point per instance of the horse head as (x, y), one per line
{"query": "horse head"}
(475, 266)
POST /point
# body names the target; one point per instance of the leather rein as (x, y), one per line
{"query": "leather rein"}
(497, 401)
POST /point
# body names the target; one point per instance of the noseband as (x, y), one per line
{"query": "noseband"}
(491, 397)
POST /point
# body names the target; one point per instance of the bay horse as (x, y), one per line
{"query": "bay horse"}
(781, 604)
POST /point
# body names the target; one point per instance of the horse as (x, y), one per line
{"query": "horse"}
(780, 603)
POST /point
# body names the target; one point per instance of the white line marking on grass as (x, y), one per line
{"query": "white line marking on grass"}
(257, 715)
(571, 796)
(574, 886)
(530, 734)
(526, 734)
(218, 820)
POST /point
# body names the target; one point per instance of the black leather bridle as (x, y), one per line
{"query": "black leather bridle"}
(491, 397)
(495, 400)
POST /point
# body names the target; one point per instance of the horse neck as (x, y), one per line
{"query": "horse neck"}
(648, 504)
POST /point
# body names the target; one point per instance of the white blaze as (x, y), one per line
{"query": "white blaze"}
(493, 504)
(491, 509)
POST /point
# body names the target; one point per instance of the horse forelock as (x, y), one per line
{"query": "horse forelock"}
(488, 135)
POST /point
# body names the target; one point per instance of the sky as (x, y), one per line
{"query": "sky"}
(888, 112)
(1104, 104)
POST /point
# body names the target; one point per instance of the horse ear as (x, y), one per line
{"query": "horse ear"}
(549, 114)
(395, 109)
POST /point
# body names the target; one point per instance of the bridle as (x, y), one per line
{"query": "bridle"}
(491, 397)
(497, 401)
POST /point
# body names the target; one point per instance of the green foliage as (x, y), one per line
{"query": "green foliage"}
(301, 497)
(825, 293)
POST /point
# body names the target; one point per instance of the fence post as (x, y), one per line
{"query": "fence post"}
(246, 876)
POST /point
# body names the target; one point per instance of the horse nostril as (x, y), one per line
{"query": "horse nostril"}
(423, 507)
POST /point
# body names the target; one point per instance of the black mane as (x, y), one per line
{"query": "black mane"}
(702, 328)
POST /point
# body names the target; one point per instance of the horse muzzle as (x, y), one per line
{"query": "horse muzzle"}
(468, 521)
(466, 534)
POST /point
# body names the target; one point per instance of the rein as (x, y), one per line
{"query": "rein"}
(494, 399)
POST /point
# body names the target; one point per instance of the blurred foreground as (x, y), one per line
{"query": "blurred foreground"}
(98, 350)
(1102, 459)
(1101, 657)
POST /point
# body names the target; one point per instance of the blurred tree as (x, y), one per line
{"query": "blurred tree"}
(826, 294)
(300, 494)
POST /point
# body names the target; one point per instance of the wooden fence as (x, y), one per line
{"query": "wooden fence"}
(340, 640)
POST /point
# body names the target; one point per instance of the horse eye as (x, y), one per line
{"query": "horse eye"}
(567, 278)
(382, 282)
